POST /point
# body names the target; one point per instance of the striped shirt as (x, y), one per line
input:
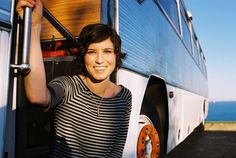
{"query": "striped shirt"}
(78, 130)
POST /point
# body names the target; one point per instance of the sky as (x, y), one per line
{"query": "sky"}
(215, 25)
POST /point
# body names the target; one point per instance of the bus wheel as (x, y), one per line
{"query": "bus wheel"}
(148, 145)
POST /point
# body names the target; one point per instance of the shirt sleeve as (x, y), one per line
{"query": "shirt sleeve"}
(123, 131)
(57, 93)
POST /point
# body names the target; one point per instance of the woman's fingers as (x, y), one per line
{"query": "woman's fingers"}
(24, 3)
(37, 12)
(37, 9)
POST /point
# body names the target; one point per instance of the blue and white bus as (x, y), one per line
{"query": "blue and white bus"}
(165, 69)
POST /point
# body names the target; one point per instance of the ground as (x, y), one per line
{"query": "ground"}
(211, 143)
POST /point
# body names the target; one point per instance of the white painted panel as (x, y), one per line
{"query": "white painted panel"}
(136, 84)
(185, 111)
(185, 114)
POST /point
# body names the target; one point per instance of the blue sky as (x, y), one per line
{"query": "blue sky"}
(215, 24)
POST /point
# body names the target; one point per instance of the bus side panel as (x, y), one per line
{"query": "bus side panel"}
(7, 100)
(154, 47)
(4, 82)
(137, 85)
(186, 111)
(4, 67)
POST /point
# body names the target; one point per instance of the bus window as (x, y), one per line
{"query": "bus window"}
(196, 49)
(201, 59)
(204, 66)
(185, 28)
(170, 7)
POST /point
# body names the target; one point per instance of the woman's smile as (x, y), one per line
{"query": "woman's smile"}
(99, 67)
(100, 59)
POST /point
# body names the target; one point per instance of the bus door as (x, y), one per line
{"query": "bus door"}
(27, 132)
(7, 97)
(32, 123)
(16, 115)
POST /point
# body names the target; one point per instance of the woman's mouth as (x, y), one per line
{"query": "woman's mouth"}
(99, 68)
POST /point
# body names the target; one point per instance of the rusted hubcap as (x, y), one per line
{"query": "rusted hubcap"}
(148, 142)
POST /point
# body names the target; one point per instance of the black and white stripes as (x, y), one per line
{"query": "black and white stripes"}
(79, 132)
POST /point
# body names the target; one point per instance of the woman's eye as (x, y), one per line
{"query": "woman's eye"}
(90, 52)
(108, 51)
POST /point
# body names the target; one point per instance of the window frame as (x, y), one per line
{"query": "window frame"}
(175, 23)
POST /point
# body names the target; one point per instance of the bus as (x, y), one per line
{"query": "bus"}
(164, 68)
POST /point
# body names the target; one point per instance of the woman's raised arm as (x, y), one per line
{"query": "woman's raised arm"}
(35, 82)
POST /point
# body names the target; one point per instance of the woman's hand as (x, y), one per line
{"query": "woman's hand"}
(36, 13)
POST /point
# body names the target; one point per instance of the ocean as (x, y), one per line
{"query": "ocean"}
(222, 111)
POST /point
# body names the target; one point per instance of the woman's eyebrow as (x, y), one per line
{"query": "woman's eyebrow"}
(103, 48)
(108, 48)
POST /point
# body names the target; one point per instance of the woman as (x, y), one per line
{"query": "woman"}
(91, 114)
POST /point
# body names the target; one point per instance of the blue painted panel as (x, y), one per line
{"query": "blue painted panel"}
(3, 110)
(5, 10)
(153, 46)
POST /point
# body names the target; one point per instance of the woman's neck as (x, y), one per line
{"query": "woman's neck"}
(98, 87)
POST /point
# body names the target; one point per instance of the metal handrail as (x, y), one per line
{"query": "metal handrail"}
(24, 67)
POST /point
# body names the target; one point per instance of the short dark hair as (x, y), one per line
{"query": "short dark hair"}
(94, 33)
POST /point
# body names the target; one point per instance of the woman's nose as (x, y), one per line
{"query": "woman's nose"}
(99, 58)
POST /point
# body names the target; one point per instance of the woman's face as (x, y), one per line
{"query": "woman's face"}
(100, 60)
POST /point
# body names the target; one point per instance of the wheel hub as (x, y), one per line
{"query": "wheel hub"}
(148, 142)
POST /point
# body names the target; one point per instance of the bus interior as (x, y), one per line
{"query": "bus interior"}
(61, 25)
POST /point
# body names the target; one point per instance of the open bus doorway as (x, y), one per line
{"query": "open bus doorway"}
(61, 26)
